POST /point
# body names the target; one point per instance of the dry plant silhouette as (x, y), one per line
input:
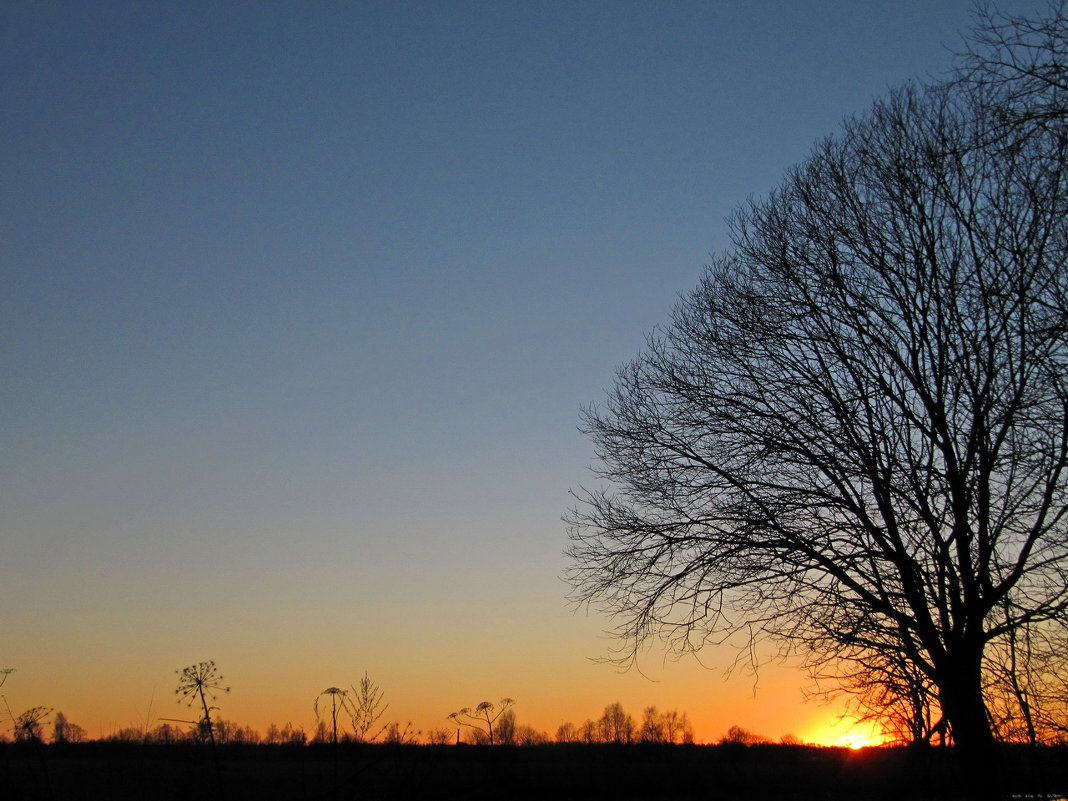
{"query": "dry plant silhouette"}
(482, 717)
(201, 683)
(4, 674)
(337, 698)
(29, 726)
(367, 706)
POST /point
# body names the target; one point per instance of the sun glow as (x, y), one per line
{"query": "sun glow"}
(849, 733)
(856, 741)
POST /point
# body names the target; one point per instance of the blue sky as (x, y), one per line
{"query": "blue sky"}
(299, 303)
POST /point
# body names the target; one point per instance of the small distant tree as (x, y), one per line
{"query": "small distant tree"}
(127, 734)
(506, 728)
(321, 734)
(164, 734)
(738, 736)
(286, 735)
(587, 732)
(439, 736)
(227, 731)
(486, 713)
(224, 731)
(567, 733)
(247, 734)
(63, 731)
(528, 735)
(652, 729)
(677, 727)
(291, 735)
(615, 725)
(475, 737)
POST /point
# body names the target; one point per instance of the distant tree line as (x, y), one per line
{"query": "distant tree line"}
(355, 716)
(348, 716)
(617, 726)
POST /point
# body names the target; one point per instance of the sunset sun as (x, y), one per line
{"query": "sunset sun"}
(849, 733)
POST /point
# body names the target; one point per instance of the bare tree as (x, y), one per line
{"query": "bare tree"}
(1017, 67)
(615, 725)
(652, 729)
(567, 733)
(164, 734)
(439, 736)
(587, 732)
(736, 735)
(506, 730)
(665, 727)
(63, 731)
(853, 436)
(528, 735)
(286, 735)
(677, 727)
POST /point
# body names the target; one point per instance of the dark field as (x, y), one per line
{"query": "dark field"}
(93, 771)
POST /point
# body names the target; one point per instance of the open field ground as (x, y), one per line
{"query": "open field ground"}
(92, 771)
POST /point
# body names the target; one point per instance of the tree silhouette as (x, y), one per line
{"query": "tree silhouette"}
(567, 733)
(615, 725)
(664, 727)
(852, 437)
(1016, 67)
(736, 735)
(63, 731)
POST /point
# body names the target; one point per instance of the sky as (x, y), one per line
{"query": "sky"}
(299, 307)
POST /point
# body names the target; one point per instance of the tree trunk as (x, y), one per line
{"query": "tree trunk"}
(961, 698)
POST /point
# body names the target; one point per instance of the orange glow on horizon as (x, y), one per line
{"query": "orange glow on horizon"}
(849, 733)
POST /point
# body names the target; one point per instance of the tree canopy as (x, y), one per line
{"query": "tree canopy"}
(852, 436)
